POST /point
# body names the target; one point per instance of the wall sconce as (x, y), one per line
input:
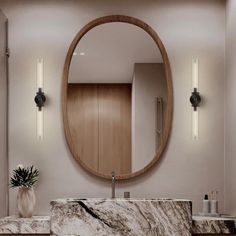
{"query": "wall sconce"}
(40, 99)
(195, 98)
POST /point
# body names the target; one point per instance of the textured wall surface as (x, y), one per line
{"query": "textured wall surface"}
(3, 118)
(188, 29)
(230, 127)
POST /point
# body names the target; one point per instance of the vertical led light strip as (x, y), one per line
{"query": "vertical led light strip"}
(195, 125)
(195, 86)
(40, 125)
(40, 111)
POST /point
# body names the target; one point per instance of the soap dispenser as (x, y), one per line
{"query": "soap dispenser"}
(206, 205)
(214, 203)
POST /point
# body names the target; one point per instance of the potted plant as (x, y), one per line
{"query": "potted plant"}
(24, 178)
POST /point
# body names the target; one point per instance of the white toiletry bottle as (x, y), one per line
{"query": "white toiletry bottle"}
(214, 204)
(206, 205)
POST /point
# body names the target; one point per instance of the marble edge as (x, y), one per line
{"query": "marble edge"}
(17, 225)
(17, 218)
(212, 218)
(75, 200)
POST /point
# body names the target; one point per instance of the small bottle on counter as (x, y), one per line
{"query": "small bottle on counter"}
(206, 205)
(214, 203)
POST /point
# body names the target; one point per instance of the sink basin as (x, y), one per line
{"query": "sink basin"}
(119, 216)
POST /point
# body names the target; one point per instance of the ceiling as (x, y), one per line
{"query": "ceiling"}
(108, 52)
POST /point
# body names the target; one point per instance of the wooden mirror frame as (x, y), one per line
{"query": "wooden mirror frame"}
(169, 107)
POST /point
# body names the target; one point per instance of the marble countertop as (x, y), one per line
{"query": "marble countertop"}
(16, 225)
(41, 225)
(214, 225)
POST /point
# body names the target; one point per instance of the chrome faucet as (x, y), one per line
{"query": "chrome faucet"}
(113, 184)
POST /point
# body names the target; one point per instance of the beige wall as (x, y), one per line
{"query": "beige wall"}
(148, 85)
(3, 118)
(230, 126)
(188, 28)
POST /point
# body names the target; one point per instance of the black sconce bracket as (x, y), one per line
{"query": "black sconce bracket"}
(40, 99)
(195, 99)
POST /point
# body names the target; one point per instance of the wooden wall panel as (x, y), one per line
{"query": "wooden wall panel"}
(115, 128)
(83, 121)
(99, 118)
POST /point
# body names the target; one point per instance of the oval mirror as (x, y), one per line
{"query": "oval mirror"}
(117, 97)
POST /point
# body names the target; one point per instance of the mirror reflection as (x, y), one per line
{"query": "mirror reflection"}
(116, 98)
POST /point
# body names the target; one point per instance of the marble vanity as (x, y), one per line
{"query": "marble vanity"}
(119, 217)
(130, 217)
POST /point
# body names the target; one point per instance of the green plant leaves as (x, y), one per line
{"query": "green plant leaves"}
(24, 177)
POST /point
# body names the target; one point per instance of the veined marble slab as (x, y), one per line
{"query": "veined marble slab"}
(121, 217)
(16, 225)
(214, 225)
(41, 225)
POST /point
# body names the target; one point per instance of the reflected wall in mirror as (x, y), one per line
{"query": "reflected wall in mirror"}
(117, 97)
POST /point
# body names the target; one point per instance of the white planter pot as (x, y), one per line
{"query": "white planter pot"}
(26, 202)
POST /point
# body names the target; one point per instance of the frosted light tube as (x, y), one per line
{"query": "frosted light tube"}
(195, 125)
(195, 73)
(39, 73)
(40, 125)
